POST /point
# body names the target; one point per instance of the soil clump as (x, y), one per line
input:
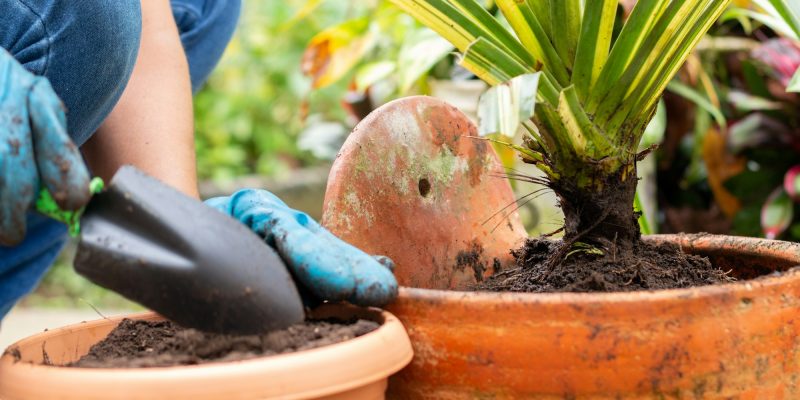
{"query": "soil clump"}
(643, 267)
(142, 344)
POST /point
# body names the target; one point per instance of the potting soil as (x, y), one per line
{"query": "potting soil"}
(141, 344)
(645, 267)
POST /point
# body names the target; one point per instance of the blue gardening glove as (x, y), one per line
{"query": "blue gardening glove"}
(34, 149)
(323, 264)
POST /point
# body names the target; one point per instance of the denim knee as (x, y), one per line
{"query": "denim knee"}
(206, 27)
(87, 49)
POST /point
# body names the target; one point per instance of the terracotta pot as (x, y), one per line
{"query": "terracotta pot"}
(730, 341)
(736, 340)
(356, 369)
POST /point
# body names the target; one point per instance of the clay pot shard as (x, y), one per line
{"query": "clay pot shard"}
(413, 162)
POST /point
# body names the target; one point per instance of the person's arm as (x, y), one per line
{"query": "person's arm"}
(151, 126)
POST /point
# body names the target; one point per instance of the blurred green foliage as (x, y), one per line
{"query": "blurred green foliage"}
(250, 113)
(734, 131)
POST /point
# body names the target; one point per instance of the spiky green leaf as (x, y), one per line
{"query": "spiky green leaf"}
(529, 29)
(594, 44)
(566, 14)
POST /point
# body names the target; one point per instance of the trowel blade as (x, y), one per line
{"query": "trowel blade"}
(187, 261)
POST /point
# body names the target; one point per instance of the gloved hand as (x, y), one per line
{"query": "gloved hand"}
(321, 263)
(34, 149)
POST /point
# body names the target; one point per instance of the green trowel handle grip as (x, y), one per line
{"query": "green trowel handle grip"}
(46, 205)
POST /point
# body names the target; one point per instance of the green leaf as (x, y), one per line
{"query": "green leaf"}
(581, 247)
(542, 7)
(46, 205)
(494, 66)
(650, 94)
(644, 223)
(746, 102)
(446, 20)
(526, 152)
(658, 59)
(491, 63)
(789, 10)
(566, 14)
(644, 15)
(794, 84)
(492, 26)
(735, 13)
(594, 44)
(770, 17)
(368, 74)
(528, 27)
(700, 100)
(776, 214)
(654, 133)
(503, 107)
(420, 52)
(586, 137)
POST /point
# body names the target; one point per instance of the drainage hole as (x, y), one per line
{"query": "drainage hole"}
(424, 187)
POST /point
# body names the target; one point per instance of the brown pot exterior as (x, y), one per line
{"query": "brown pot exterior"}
(729, 341)
(356, 369)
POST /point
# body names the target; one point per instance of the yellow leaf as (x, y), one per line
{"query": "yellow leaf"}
(721, 166)
(333, 52)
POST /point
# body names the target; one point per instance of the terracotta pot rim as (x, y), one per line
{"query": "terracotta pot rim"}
(701, 241)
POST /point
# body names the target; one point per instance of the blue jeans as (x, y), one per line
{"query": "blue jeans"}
(87, 49)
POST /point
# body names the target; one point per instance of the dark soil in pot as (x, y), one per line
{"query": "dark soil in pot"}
(140, 344)
(645, 267)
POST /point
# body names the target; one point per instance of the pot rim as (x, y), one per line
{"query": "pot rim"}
(391, 331)
(698, 243)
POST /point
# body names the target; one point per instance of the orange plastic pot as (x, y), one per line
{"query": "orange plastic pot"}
(412, 183)
(356, 369)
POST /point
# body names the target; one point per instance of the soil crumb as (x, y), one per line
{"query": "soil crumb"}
(142, 344)
(646, 267)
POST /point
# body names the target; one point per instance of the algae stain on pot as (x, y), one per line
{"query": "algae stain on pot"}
(405, 165)
(354, 203)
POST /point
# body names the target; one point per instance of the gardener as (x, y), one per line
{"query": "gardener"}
(125, 71)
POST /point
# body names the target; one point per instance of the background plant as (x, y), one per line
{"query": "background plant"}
(250, 115)
(736, 172)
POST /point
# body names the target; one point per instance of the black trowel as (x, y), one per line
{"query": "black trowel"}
(187, 261)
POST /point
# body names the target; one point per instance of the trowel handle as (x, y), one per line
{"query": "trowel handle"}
(46, 204)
